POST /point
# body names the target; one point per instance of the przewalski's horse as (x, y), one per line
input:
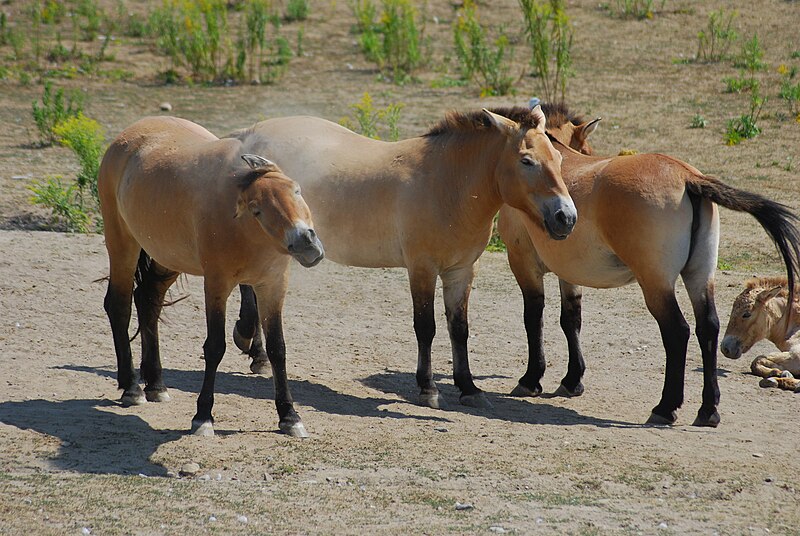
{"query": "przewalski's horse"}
(424, 203)
(176, 199)
(763, 311)
(646, 218)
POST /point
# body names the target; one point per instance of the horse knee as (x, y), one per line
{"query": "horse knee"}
(213, 350)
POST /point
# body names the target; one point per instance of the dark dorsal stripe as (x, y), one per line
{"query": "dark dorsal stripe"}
(454, 121)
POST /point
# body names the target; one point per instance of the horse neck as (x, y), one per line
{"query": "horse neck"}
(468, 163)
(784, 323)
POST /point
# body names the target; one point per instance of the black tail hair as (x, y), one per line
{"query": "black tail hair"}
(777, 219)
(147, 273)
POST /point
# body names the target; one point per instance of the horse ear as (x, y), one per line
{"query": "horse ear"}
(766, 295)
(541, 120)
(241, 207)
(257, 162)
(501, 123)
(587, 128)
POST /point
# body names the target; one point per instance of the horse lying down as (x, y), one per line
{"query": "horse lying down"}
(762, 311)
(176, 199)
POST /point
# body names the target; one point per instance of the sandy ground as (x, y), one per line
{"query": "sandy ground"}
(72, 458)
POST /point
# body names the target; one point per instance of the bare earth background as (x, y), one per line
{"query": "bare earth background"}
(72, 458)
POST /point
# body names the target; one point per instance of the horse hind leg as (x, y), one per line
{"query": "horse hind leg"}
(153, 282)
(423, 287)
(247, 331)
(698, 278)
(456, 289)
(123, 253)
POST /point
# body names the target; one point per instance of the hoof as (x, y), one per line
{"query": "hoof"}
(240, 341)
(157, 396)
(521, 390)
(655, 418)
(768, 382)
(476, 400)
(203, 428)
(431, 400)
(133, 398)
(785, 374)
(563, 391)
(704, 418)
(293, 429)
(260, 366)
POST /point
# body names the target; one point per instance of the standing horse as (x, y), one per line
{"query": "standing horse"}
(646, 218)
(175, 201)
(424, 203)
(764, 311)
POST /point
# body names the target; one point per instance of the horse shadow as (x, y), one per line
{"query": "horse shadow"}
(92, 440)
(505, 408)
(258, 387)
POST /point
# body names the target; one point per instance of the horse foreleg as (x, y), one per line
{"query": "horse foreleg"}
(270, 306)
(423, 287)
(213, 349)
(149, 298)
(675, 337)
(571, 295)
(775, 364)
(456, 289)
(528, 271)
(247, 331)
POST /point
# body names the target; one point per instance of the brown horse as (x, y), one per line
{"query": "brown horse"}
(175, 201)
(424, 203)
(646, 218)
(764, 311)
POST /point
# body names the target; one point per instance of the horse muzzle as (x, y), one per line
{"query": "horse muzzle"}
(560, 217)
(731, 347)
(303, 244)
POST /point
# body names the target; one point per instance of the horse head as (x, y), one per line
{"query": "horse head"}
(529, 173)
(753, 314)
(274, 200)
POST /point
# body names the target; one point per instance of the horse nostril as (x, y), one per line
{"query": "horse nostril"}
(561, 217)
(290, 247)
(311, 233)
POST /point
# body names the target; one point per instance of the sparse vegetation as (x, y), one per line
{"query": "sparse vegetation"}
(716, 39)
(549, 33)
(790, 92)
(745, 126)
(485, 64)
(56, 107)
(370, 121)
(698, 121)
(633, 9)
(394, 40)
(297, 10)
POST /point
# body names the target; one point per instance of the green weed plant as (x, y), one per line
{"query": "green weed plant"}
(56, 107)
(549, 33)
(481, 60)
(369, 121)
(715, 40)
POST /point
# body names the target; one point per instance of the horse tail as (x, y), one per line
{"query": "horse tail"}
(777, 219)
(147, 274)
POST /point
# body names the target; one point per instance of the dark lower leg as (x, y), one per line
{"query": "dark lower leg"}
(149, 297)
(118, 308)
(571, 326)
(276, 350)
(458, 327)
(425, 329)
(213, 350)
(533, 300)
(707, 336)
(675, 336)
(247, 331)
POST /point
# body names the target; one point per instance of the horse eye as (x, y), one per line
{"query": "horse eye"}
(528, 161)
(747, 314)
(297, 191)
(256, 212)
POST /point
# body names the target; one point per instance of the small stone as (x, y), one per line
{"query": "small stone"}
(663, 525)
(165, 107)
(463, 506)
(189, 469)
(440, 429)
(757, 455)
(204, 477)
(241, 519)
(85, 530)
(212, 519)
(497, 529)
(142, 475)
(267, 477)
(769, 479)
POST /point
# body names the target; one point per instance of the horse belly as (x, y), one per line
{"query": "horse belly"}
(588, 265)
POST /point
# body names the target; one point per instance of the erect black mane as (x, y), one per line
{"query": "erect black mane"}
(558, 114)
(455, 121)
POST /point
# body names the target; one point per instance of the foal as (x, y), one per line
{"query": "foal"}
(174, 200)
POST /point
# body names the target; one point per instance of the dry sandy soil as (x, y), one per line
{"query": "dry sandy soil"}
(72, 459)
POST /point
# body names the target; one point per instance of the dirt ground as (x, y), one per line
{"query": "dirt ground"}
(72, 460)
